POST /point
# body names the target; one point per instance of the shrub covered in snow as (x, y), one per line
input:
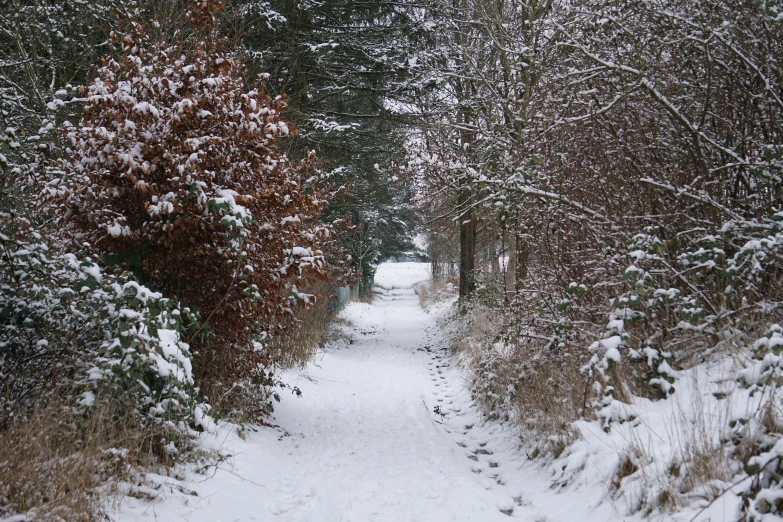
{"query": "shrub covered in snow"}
(74, 334)
(175, 172)
(719, 295)
(690, 335)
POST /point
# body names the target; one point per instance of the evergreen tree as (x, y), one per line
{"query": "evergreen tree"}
(350, 70)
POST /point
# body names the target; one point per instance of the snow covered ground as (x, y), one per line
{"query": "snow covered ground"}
(366, 442)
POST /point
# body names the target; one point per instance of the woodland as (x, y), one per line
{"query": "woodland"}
(185, 184)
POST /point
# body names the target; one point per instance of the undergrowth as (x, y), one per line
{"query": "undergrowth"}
(62, 465)
(719, 406)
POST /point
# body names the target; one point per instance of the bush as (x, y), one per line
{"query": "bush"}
(175, 173)
(74, 334)
(680, 306)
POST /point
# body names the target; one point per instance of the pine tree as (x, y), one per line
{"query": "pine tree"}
(348, 69)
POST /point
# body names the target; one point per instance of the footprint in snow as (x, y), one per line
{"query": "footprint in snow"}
(506, 506)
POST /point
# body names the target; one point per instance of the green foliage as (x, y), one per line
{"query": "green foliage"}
(48, 48)
(91, 335)
(346, 68)
(489, 289)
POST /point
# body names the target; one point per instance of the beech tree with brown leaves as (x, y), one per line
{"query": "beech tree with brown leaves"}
(175, 172)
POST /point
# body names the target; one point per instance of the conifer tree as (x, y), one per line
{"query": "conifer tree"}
(349, 70)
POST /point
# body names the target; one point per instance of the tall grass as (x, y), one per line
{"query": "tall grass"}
(61, 465)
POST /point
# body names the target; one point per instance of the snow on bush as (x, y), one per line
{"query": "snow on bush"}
(175, 172)
(691, 341)
(717, 304)
(74, 333)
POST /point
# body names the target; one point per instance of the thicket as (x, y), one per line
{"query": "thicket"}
(157, 247)
(608, 176)
(174, 171)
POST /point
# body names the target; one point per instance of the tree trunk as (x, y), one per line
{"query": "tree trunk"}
(467, 247)
(494, 261)
(511, 264)
(520, 266)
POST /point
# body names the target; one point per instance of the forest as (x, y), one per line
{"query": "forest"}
(595, 187)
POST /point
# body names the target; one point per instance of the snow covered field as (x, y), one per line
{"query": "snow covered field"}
(365, 442)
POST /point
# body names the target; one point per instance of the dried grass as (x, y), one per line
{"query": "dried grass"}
(58, 465)
(700, 467)
(297, 345)
(626, 468)
(431, 292)
(548, 393)
(250, 398)
(548, 399)
(703, 458)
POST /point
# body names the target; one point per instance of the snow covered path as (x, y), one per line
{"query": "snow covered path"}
(363, 443)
